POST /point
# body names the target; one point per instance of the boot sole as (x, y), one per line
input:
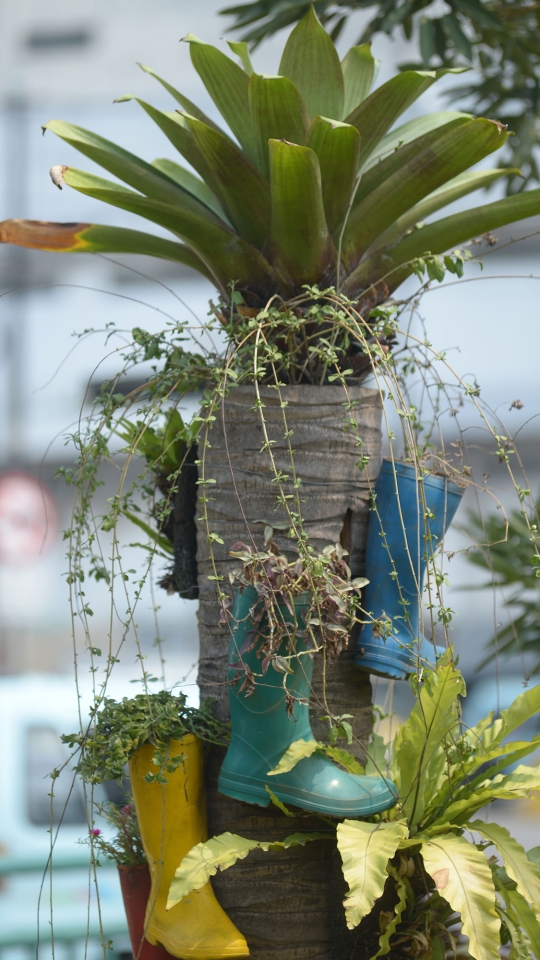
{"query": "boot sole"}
(240, 789)
(394, 666)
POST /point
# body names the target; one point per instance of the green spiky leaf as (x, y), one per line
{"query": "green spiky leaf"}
(241, 50)
(188, 181)
(185, 102)
(231, 257)
(378, 112)
(337, 146)
(394, 263)
(359, 67)
(311, 61)
(459, 187)
(126, 166)
(242, 190)
(436, 161)
(278, 112)
(411, 130)
(227, 84)
(300, 245)
(97, 238)
(176, 129)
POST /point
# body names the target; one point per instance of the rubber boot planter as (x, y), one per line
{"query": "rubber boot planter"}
(263, 729)
(172, 819)
(399, 542)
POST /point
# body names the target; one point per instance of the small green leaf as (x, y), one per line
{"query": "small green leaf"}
(296, 752)
(365, 849)
(311, 61)
(277, 802)
(359, 67)
(462, 876)
(435, 268)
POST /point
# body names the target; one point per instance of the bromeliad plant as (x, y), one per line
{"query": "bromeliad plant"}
(313, 184)
(423, 871)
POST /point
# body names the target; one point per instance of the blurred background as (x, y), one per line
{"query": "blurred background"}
(70, 62)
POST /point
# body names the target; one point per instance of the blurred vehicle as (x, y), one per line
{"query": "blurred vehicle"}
(34, 710)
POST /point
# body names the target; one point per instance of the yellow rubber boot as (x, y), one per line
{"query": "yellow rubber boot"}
(172, 819)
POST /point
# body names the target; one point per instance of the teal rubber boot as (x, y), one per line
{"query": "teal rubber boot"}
(263, 729)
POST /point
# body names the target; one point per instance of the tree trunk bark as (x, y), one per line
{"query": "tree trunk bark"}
(288, 905)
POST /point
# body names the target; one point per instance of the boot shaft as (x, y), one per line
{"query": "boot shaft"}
(171, 816)
(412, 516)
(264, 712)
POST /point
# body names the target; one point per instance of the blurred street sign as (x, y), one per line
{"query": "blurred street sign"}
(28, 518)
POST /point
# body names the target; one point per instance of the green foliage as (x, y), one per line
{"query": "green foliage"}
(462, 876)
(416, 750)
(219, 853)
(323, 581)
(305, 748)
(365, 850)
(125, 848)
(500, 40)
(119, 728)
(507, 551)
(418, 865)
(284, 208)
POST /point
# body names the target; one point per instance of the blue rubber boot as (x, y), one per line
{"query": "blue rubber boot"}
(399, 542)
(263, 729)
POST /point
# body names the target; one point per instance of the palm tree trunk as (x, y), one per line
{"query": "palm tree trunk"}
(288, 905)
